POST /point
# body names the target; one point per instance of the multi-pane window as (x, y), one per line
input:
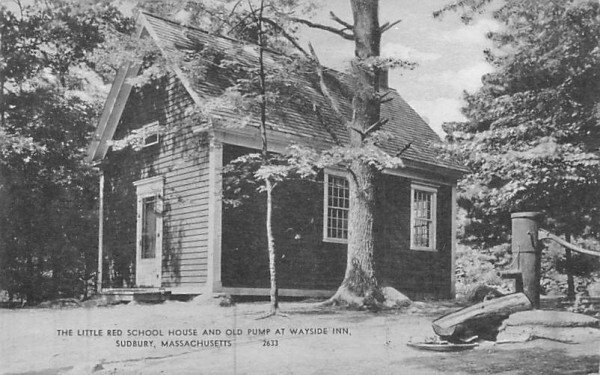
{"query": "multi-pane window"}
(149, 226)
(423, 204)
(337, 203)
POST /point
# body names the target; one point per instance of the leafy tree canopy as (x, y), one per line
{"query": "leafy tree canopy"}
(532, 135)
(47, 194)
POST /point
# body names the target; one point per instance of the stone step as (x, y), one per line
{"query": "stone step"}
(147, 295)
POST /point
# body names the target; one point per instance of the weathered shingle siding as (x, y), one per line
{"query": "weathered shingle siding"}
(181, 158)
(416, 273)
(305, 261)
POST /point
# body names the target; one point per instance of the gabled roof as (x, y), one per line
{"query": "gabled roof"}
(306, 122)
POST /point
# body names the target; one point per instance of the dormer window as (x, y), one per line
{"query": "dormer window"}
(150, 134)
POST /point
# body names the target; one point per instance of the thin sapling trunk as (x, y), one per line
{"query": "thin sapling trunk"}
(273, 292)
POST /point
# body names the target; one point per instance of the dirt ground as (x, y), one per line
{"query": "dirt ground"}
(364, 342)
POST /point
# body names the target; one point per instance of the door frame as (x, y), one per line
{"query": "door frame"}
(145, 188)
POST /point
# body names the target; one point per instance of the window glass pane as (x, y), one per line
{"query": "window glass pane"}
(338, 202)
(149, 221)
(423, 220)
(151, 139)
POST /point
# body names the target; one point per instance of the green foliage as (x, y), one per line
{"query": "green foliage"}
(249, 172)
(54, 36)
(531, 136)
(584, 268)
(48, 220)
(476, 266)
(47, 193)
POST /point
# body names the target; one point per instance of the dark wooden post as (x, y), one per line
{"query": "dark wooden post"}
(568, 268)
(524, 246)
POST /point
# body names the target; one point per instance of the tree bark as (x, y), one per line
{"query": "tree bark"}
(273, 292)
(360, 286)
(2, 83)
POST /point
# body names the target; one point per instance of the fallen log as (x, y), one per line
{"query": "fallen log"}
(482, 316)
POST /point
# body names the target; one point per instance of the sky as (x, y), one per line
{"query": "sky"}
(449, 54)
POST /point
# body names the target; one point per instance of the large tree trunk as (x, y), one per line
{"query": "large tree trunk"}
(360, 285)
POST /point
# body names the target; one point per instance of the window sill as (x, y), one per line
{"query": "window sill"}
(423, 249)
(148, 145)
(336, 240)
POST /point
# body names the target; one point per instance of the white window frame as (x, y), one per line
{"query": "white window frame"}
(149, 130)
(434, 191)
(326, 174)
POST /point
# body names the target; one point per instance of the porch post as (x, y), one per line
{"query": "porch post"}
(100, 231)
(525, 246)
(215, 163)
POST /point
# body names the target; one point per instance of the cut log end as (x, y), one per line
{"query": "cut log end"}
(494, 311)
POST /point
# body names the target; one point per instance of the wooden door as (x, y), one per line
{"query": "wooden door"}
(149, 234)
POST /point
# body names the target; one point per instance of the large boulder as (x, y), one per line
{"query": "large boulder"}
(551, 319)
(393, 298)
(482, 292)
(559, 326)
(222, 300)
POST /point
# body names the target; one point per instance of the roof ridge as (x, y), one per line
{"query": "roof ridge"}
(406, 123)
(231, 39)
(235, 40)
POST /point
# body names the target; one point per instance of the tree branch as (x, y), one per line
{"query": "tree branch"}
(327, 127)
(287, 36)
(239, 23)
(358, 130)
(323, 86)
(383, 99)
(346, 25)
(376, 126)
(354, 176)
(234, 8)
(252, 11)
(386, 26)
(20, 5)
(404, 149)
(340, 32)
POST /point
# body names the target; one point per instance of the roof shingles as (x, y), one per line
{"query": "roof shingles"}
(404, 125)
